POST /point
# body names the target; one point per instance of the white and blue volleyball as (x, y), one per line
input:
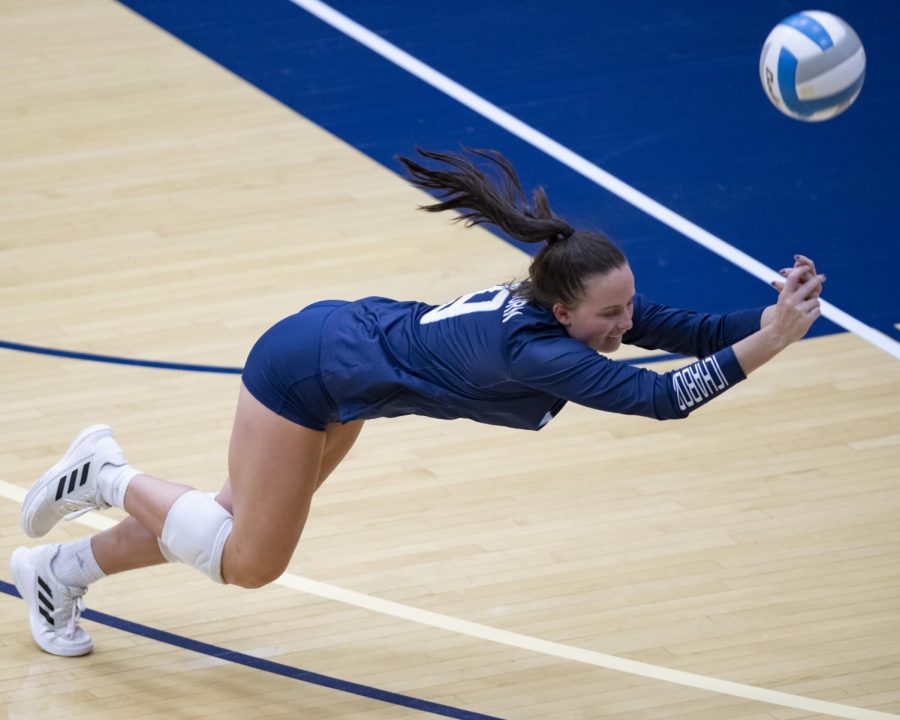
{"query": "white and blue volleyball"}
(812, 66)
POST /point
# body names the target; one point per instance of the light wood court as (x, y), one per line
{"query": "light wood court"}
(154, 206)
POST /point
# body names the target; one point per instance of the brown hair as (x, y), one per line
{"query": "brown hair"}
(558, 272)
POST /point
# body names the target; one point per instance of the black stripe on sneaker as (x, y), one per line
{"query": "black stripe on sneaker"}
(84, 473)
(45, 605)
(72, 479)
(61, 488)
(44, 586)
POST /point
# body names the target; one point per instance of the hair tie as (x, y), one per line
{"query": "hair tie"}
(561, 236)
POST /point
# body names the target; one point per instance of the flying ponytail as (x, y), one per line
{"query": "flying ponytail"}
(559, 271)
(505, 205)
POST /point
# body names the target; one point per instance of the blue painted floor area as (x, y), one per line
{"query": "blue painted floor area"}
(663, 94)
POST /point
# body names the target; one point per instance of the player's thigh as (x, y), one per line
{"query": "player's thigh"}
(273, 471)
(339, 438)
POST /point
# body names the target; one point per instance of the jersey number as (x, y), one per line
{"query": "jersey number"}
(464, 305)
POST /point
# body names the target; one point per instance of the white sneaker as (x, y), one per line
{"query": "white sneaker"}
(53, 608)
(71, 487)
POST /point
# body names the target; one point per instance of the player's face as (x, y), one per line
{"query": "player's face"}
(604, 314)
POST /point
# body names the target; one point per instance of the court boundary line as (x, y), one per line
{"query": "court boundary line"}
(270, 666)
(117, 360)
(529, 643)
(501, 636)
(579, 164)
(219, 369)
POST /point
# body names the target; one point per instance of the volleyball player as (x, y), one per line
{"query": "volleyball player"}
(509, 355)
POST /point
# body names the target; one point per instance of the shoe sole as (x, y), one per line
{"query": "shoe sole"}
(33, 498)
(24, 579)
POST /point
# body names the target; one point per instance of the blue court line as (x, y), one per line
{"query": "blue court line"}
(119, 360)
(269, 666)
(92, 357)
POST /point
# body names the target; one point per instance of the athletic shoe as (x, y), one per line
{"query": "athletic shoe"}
(53, 608)
(71, 487)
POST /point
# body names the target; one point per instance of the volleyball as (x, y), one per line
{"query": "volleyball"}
(812, 66)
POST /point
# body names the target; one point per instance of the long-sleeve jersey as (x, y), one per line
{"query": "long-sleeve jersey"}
(496, 358)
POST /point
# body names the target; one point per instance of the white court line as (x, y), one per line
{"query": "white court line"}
(531, 644)
(579, 164)
(668, 217)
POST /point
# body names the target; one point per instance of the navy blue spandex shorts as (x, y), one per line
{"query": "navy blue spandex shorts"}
(283, 369)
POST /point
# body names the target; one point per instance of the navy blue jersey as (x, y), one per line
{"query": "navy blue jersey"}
(495, 358)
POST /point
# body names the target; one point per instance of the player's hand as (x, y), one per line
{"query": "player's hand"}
(798, 303)
(800, 261)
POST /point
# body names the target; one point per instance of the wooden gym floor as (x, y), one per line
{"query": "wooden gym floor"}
(156, 207)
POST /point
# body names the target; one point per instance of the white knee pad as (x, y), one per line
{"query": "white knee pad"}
(195, 532)
(163, 548)
(166, 553)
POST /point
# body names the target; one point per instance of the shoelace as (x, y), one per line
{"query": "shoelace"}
(75, 616)
(78, 513)
(77, 507)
